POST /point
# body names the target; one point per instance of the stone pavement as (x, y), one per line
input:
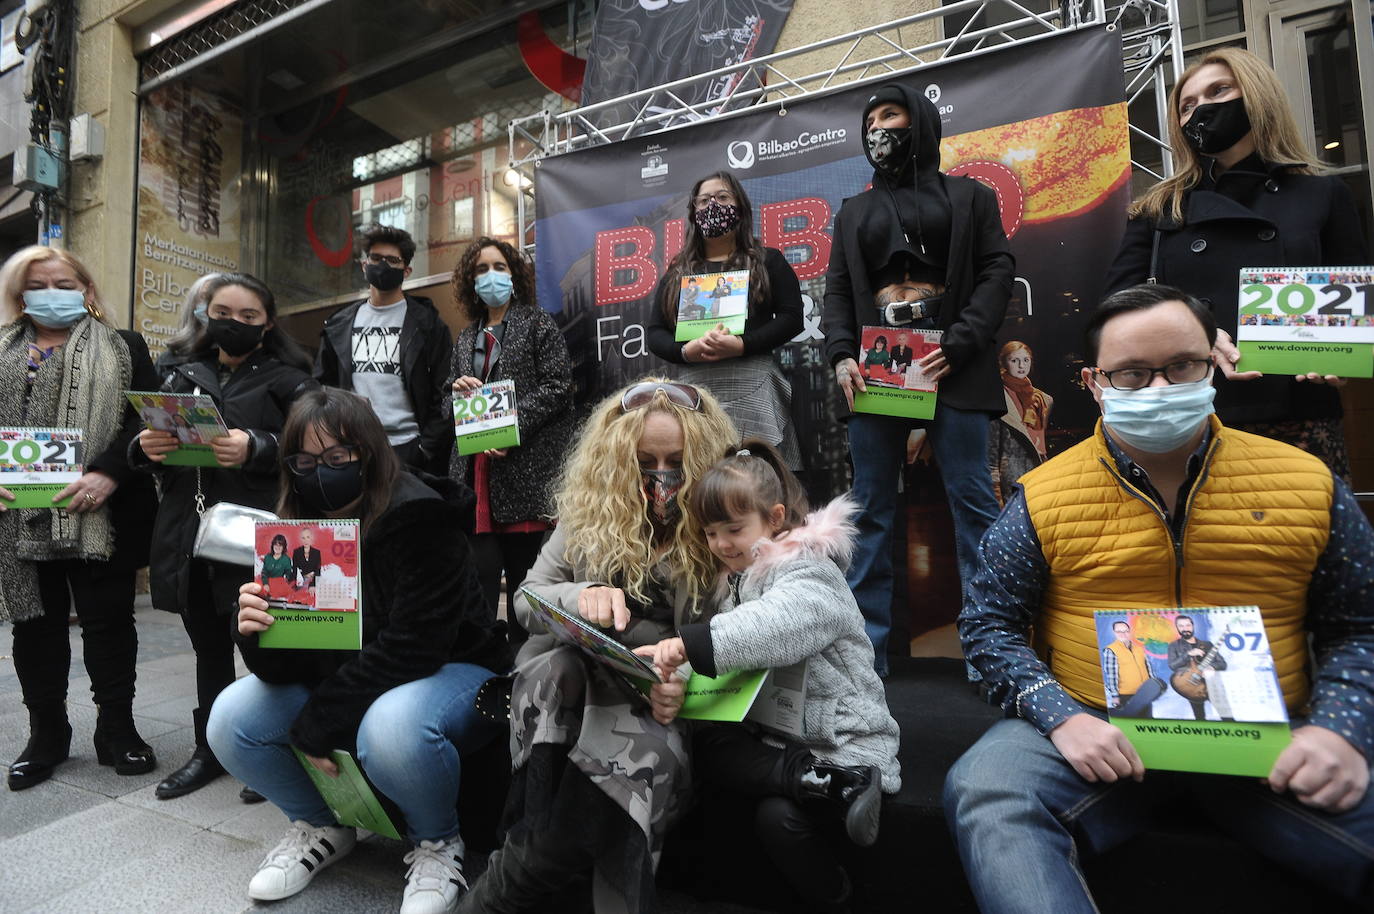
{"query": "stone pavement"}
(89, 841)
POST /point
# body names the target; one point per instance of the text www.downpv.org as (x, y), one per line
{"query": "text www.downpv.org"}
(1193, 729)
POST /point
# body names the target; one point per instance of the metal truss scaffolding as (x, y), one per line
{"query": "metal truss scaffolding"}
(1152, 58)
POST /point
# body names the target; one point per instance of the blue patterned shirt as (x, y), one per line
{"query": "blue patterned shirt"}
(1004, 599)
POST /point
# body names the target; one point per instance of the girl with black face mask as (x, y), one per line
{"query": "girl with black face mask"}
(253, 372)
(1247, 191)
(406, 699)
(737, 367)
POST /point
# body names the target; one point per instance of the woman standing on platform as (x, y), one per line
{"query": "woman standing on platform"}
(1247, 191)
(253, 372)
(738, 368)
(919, 250)
(599, 772)
(62, 366)
(509, 337)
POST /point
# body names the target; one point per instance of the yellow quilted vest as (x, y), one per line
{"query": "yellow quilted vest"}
(1131, 669)
(1258, 518)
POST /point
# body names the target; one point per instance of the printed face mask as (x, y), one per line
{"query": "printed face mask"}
(330, 488)
(716, 219)
(494, 288)
(661, 488)
(384, 276)
(234, 337)
(889, 148)
(1217, 127)
(56, 309)
(1158, 420)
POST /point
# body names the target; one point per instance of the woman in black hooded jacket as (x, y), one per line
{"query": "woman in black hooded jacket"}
(918, 250)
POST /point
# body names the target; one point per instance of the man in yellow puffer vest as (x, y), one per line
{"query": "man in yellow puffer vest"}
(1163, 507)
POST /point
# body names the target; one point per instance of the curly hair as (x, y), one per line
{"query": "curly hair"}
(601, 503)
(465, 278)
(16, 271)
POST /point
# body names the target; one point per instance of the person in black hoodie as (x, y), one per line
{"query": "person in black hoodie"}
(404, 702)
(919, 250)
(253, 372)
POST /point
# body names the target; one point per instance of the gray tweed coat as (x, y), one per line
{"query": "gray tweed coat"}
(535, 356)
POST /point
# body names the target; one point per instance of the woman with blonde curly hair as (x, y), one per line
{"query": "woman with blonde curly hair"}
(599, 771)
(1247, 191)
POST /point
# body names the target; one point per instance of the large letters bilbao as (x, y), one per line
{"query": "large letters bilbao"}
(626, 269)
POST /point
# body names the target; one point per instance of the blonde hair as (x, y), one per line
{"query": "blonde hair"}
(600, 498)
(1277, 138)
(16, 271)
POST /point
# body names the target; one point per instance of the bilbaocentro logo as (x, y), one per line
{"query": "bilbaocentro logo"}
(802, 143)
(740, 154)
(934, 93)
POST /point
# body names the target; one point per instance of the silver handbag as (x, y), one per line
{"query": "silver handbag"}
(227, 531)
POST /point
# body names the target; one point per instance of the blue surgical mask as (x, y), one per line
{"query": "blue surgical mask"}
(1158, 420)
(202, 313)
(494, 288)
(56, 309)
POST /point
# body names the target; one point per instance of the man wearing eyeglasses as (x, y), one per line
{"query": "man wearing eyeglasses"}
(393, 349)
(1163, 507)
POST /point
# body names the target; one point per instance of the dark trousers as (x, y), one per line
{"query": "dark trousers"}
(208, 627)
(512, 554)
(103, 596)
(794, 832)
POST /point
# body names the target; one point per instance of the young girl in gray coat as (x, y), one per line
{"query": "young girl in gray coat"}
(783, 600)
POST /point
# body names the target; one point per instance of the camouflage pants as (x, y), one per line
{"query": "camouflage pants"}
(561, 698)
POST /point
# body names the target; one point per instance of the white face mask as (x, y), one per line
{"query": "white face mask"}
(1158, 420)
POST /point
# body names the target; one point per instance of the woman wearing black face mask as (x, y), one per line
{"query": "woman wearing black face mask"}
(253, 372)
(737, 367)
(1247, 191)
(405, 700)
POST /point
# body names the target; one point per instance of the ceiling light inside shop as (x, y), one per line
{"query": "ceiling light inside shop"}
(1332, 145)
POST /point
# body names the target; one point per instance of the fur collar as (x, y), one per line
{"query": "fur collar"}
(827, 534)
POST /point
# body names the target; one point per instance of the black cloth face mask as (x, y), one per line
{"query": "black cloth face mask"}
(330, 488)
(234, 337)
(384, 276)
(1217, 127)
(889, 148)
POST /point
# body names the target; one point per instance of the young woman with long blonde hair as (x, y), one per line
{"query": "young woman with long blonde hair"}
(1248, 191)
(597, 767)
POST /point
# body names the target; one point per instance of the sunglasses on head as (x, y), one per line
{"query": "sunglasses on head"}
(641, 395)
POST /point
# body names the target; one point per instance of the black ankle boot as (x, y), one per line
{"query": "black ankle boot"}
(117, 743)
(199, 770)
(50, 742)
(856, 793)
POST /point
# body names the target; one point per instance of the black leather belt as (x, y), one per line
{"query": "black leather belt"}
(898, 313)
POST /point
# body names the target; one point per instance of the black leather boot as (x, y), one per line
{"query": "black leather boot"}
(856, 793)
(50, 742)
(199, 770)
(117, 743)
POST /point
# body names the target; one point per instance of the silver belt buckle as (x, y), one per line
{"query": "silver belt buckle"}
(893, 311)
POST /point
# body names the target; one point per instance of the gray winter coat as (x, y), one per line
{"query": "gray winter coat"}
(791, 604)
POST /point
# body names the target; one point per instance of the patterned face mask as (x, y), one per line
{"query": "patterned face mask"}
(661, 488)
(889, 148)
(716, 219)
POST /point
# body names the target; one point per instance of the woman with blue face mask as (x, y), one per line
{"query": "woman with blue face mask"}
(62, 366)
(508, 336)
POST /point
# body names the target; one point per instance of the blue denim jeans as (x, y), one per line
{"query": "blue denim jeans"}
(409, 743)
(877, 445)
(1021, 815)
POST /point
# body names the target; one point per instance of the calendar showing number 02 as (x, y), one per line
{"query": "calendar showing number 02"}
(485, 419)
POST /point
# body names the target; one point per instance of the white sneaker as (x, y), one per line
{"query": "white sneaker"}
(296, 859)
(435, 880)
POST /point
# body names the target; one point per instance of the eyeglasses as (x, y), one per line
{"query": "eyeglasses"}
(641, 395)
(389, 259)
(306, 462)
(723, 197)
(1185, 371)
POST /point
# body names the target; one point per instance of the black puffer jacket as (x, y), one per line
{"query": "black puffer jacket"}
(256, 399)
(978, 273)
(1252, 215)
(422, 608)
